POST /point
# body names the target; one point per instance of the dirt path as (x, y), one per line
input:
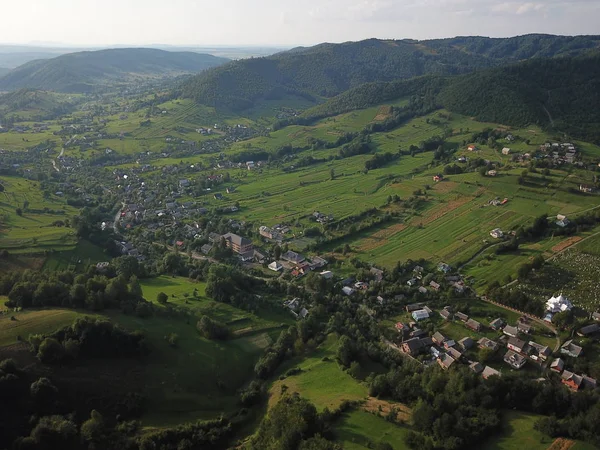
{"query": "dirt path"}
(562, 444)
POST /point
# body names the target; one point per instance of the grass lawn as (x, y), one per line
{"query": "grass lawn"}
(82, 255)
(181, 293)
(518, 434)
(29, 322)
(198, 379)
(360, 430)
(323, 382)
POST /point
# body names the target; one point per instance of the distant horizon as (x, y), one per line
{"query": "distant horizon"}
(66, 45)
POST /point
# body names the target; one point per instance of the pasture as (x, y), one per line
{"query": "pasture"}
(34, 230)
(82, 255)
(321, 380)
(518, 433)
(190, 295)
(28, 322)
(360, 430)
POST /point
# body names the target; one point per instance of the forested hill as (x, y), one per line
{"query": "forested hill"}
(86, 71)
(560, 93)
(327, 70)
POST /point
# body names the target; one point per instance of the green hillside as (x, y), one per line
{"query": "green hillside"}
(329, 69)
(88, 71)
(561, 94)
(34, 104)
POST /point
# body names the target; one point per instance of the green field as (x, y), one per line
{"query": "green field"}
(83, 254)
(360, 430)
(518, 434)
(33, 322)
(32, 232)
(322, 380)
(181, 293)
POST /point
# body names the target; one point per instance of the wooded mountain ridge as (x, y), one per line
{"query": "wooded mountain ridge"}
(326, 70)
(91, 70)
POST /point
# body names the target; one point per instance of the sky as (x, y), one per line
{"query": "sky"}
(283, 22)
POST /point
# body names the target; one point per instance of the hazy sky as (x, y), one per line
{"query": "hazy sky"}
(283, 22)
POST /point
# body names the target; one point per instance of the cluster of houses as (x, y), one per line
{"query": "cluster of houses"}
(295, 307)
(275, 233)
(298, 264)
(322, 218)
(519, 350)
(560, 153)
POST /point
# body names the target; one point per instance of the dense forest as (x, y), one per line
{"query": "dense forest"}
(327, 70)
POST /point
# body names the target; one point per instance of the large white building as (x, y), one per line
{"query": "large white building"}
(558, 304)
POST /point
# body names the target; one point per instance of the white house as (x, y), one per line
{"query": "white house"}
(558, 304)
(327, 274)
(506, 151)
(420, 314)
(347, 290)
(496, 233)
(275, 266)
(562, 221)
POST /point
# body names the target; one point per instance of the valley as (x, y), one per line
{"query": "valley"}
(371, 256)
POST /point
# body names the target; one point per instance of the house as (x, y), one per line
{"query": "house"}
(275, 266)
(265, 232)
(589, 330)
(446, 315)
(238, 244)
(586, 188)
(293, 304)
(102, 266)
(435, 286)
(571, 349)
(230, 190)
(557, 365)
(472, 148)
(461, 316)
(496, 233)
(571, 380)
(419, 333)
(412, 282)
(491, 173)
(438, 338)
(466, 343)
(377, 273)
(487, 343)
(318, 262)
(443, 267)
(589, 382)
(413, 346)
(514, 360)
(523, 328)
(596, 316)
(438, 177)
(506, 151)
(562, 221)
(184, 183)
(473, 325)
(206, 248)
(497, 324)
(402, 327)
(454, 353)
(476, 367)
(445, 361)
(436, 352)
(516, 344)
(558, 304)
(327, 274)
(539, 352)
(489, 372)
(347, 290)
(418, 269)
(449, 343)
(420, 314)
(422, 290)
(511, 331)
(292, 257)
(259, 257)
(218, 196)
(414, 307)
